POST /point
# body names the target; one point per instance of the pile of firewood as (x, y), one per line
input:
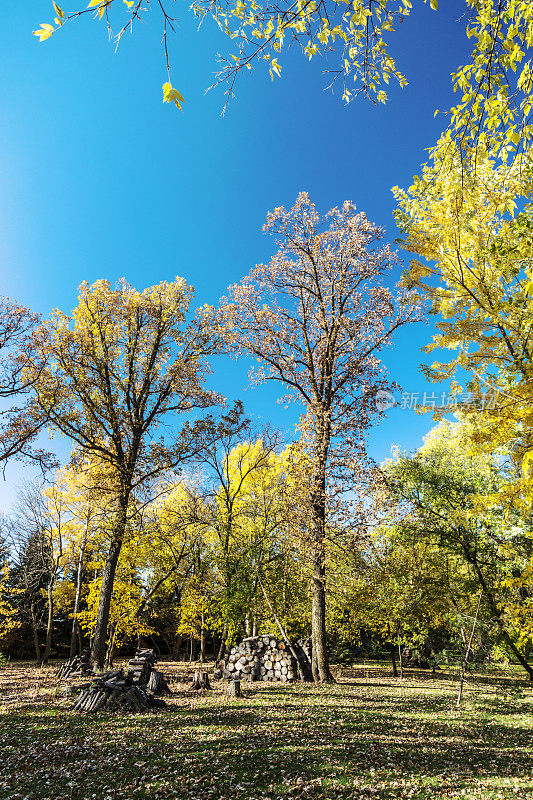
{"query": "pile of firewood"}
(114, 690)
(79, 665)
(140, 667)
(262, 658)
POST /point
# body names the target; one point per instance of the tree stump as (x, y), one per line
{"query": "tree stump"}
(157, 683)
(201, 681)
(234, 689)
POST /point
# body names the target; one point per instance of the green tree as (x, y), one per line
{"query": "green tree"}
(450, 493)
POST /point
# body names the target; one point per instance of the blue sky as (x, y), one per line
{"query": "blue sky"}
(99, 179)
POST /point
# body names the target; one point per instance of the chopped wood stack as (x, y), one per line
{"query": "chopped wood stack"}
(140, 667)
(304, 653)
(79, 665)
(114, 690)
(263, 658)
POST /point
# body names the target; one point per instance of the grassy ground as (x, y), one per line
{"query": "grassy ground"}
(367, 736)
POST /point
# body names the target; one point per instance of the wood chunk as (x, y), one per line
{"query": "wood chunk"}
(234, 689)
(201, 681)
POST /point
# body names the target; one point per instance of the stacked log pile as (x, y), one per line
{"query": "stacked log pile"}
(74, 667)
(140, 667)
(262, 658)
(114, 690)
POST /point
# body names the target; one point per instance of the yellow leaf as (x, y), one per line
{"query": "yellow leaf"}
(94, 3)
(60, 13)
(171, 95)
(44, 32)
(526, 463)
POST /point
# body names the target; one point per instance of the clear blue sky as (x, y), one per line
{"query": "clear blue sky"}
(99, 179)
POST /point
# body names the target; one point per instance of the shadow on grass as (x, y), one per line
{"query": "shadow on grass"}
(271, 744)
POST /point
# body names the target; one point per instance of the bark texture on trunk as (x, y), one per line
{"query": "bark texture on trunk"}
(392, 651)
(35, 633)
(49, 622)
(320, 661)
(111, 650)
(202, 644)
(79, 575)
(98, 648)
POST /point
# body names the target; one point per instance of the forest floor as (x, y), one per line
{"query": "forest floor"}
(367, 736)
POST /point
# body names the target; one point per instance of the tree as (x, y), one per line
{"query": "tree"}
(21, 422)
(10, 621)
(315, 317)
(495, 85)
(474, 231)
(82, 491)
(40, 544)
(238, 509)
(107, 377)
(449, 493)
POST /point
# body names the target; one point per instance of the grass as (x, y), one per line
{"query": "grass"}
(367, 736)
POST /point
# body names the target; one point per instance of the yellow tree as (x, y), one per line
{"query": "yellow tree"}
(239, 509)
(174, 547)
(106, 378)
(125, 621)
(85, 489)
(494, 87)
(474, 231)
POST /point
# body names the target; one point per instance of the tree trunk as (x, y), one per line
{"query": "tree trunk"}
(202, 642)
(320, 662)
(222, 648)
(392, 651)
(79, 574)
(498, 616)
(176, 647)
(49, 622)
(467, 653)
(192, 650)
(111, 650)
(35, 632)
(400, 658)
(98, 649)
